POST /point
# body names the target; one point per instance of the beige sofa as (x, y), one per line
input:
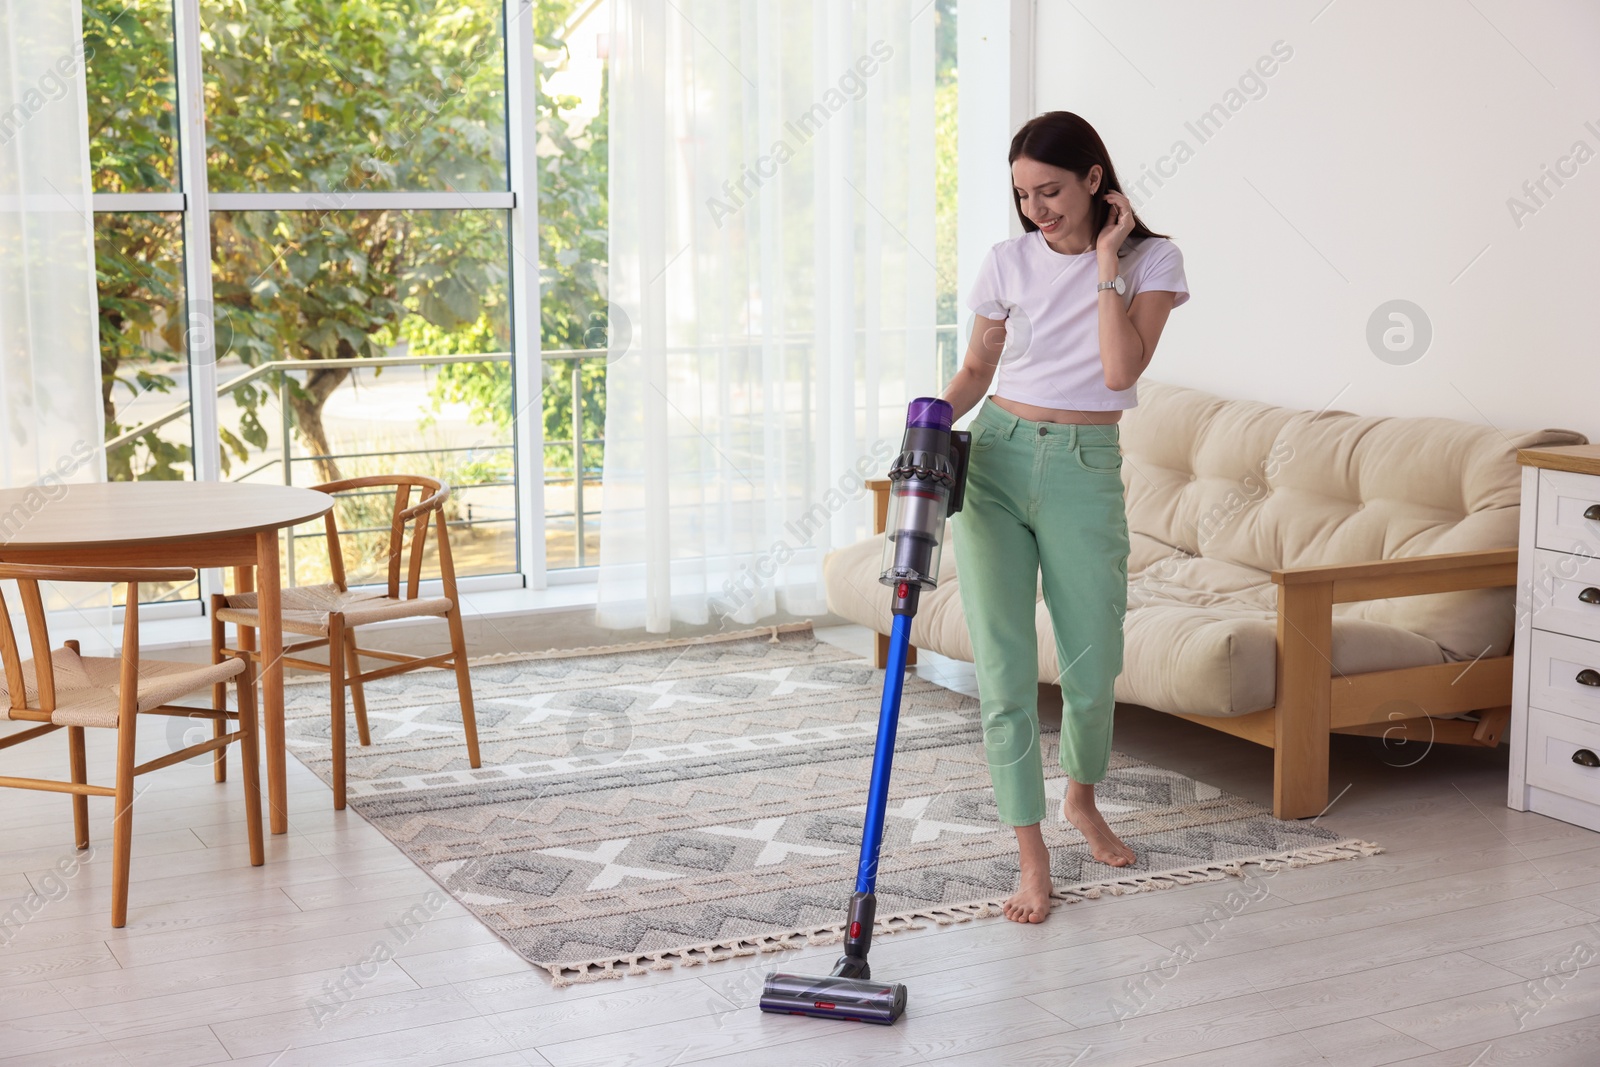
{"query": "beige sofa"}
(1292, 573)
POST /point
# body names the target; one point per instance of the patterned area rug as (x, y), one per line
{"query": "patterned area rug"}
(687, 801)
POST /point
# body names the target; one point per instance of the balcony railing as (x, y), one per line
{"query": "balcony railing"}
(280, 459)
(484, 502)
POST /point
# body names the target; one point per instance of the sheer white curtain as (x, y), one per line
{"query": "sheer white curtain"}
(772, 283)
(51, 423)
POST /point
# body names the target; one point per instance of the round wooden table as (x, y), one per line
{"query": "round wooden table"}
(176, 524)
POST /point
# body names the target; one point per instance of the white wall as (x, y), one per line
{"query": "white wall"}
(1376, 163)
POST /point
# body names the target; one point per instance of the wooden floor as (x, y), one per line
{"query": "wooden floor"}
(1475, 939)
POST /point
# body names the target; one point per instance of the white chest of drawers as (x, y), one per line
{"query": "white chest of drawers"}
(1555, 706)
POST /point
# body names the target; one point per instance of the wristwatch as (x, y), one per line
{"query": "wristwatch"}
(1118, 284)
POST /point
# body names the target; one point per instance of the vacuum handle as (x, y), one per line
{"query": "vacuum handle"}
(960, 449)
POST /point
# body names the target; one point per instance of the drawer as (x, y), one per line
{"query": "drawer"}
(1552, 740)
(1564, 499)
(1566, 593)
(1555, 662)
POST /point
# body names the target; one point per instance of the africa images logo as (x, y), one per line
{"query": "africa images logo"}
(852, 85)
(1251, 85)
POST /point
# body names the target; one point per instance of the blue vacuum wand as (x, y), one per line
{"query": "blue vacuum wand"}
(926, 484)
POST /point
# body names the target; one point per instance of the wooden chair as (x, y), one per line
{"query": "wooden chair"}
(330, 613)
(77, 692)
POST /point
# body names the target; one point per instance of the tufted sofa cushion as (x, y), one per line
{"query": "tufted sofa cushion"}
(1221, 492)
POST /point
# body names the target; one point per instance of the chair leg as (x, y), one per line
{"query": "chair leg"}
(219, 758)
(358, 696)
(336, 686)
(80, 775)
(219, 692)
(122, 821)
(458, 657)
(250, 758)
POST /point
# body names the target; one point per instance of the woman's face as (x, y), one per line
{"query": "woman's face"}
(1057, 200)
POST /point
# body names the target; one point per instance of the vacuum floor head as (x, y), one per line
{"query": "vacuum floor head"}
(834, 998)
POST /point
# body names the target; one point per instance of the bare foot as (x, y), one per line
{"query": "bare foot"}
(1079, 809)
(1031, 902)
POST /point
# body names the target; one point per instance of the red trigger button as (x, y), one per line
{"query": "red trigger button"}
(902, 591)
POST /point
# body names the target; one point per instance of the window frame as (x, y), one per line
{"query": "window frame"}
(194, 202)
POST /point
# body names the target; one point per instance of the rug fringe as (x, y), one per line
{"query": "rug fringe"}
(565, 974)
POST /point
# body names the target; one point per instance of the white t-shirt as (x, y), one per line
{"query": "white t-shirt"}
(1052, 353)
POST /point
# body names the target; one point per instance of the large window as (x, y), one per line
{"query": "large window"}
(319, 95)
(339, 280)
(387, 252)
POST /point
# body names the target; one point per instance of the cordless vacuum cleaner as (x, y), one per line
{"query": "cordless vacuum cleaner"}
(926, 483)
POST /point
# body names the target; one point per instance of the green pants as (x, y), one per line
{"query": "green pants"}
(1043, 499)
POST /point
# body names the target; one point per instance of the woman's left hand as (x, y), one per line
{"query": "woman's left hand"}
(1118, 224)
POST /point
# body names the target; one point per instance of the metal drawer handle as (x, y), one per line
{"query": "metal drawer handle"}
(1592, 512)
(1585, 758)
(1590, 595)
(1589, 676)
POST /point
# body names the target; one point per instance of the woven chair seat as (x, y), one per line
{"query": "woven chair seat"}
(306, 608)
(89, 689)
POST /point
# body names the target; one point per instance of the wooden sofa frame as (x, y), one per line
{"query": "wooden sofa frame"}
(1312, 704)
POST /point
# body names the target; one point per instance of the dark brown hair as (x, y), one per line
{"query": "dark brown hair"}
(1065, 140)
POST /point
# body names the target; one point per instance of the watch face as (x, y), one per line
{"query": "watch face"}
(1122, 286)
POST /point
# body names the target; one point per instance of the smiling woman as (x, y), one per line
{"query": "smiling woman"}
(1091, 286)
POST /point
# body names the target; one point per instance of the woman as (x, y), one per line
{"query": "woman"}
(1044, 490)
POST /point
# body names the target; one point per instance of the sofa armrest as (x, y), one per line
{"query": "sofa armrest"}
(1305, 714)
(880, 503)
(1408, 576)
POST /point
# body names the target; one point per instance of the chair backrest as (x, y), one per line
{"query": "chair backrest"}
(408, 529)
(28, 576)
(39, 637)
